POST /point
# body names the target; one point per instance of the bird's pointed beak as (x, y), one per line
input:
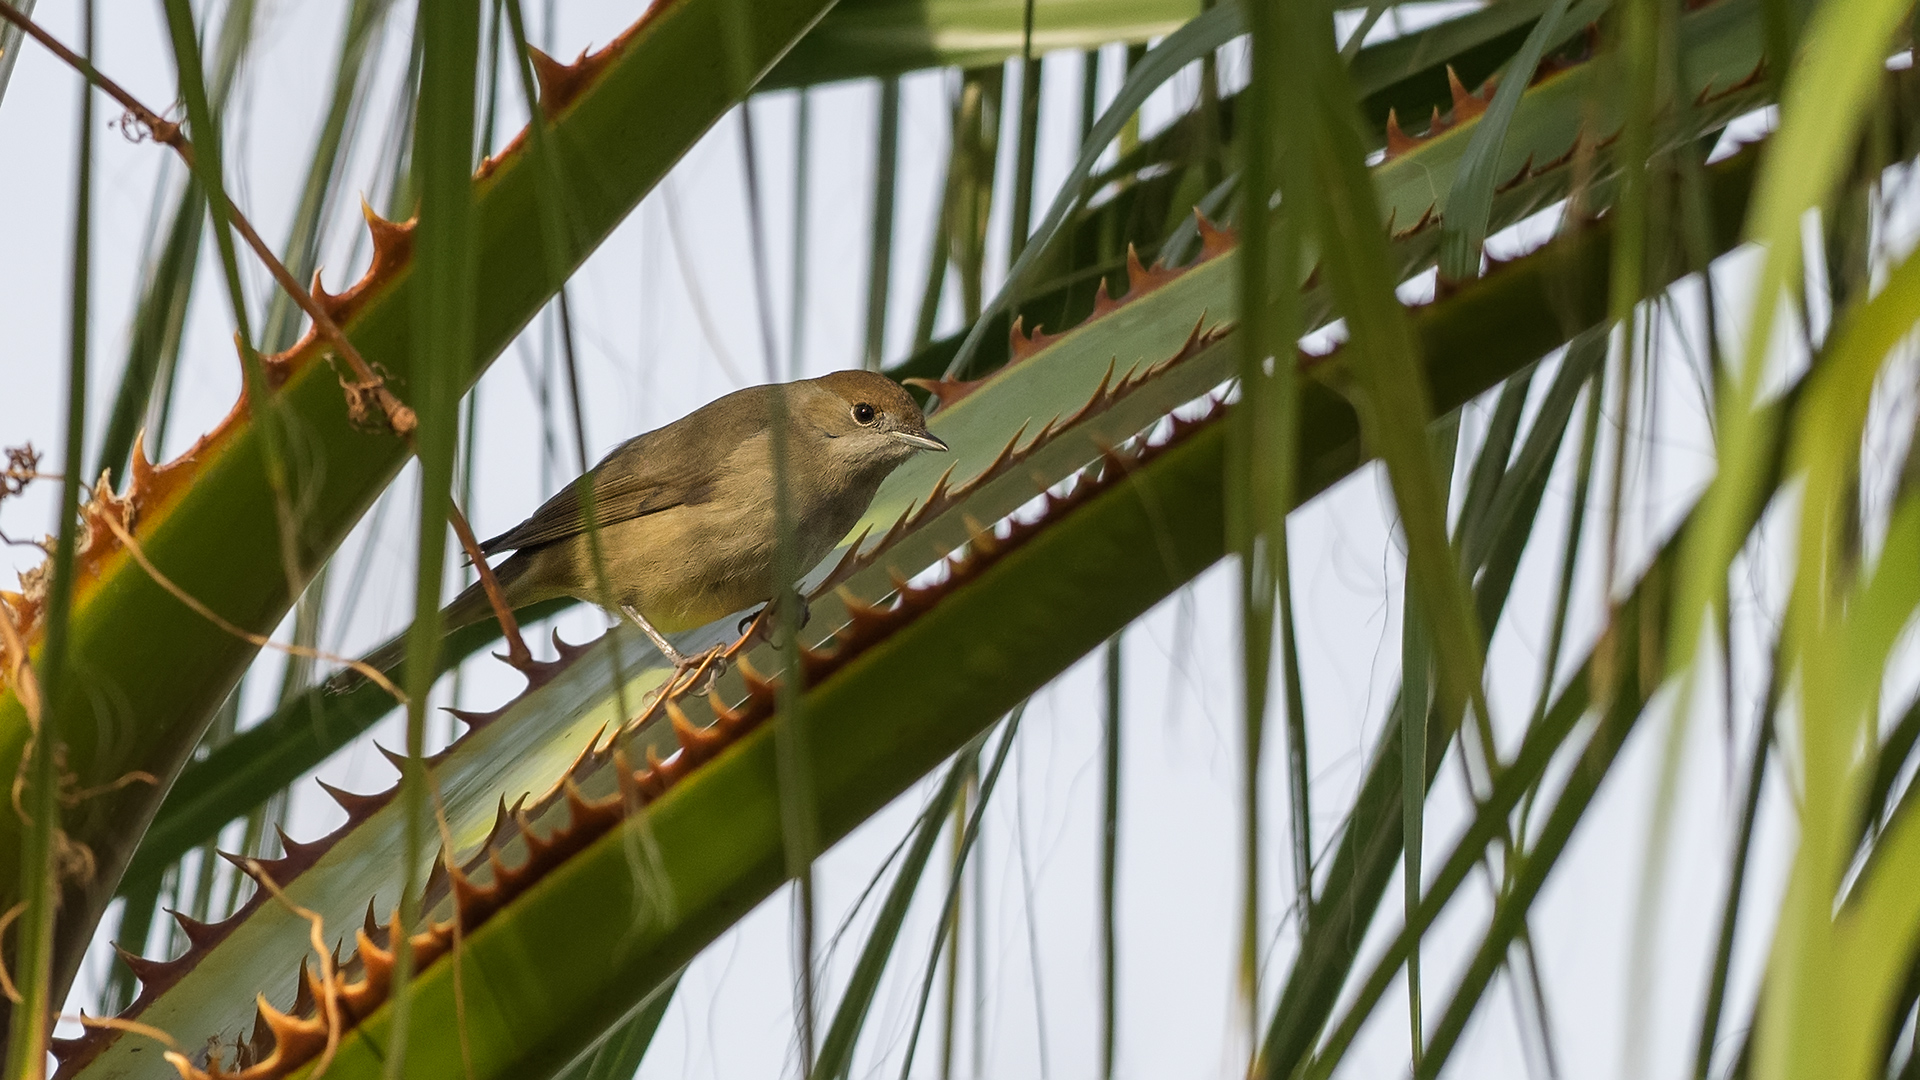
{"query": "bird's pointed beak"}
(920, 439)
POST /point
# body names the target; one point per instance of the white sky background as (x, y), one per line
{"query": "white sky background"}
(645, 361)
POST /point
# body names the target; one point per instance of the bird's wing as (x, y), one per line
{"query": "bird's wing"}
(673, 466)
(617, 497)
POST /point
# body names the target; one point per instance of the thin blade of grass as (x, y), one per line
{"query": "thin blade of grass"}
(469, 454)
(864, 39)
(1891, 760)
(1198, 37)
(140, 899)
(1249, 484)
(1369, 17)
(956, 877)
(1494, 530)
(797, 284)
(209, 170)
(1834, 972)
(1530, 1006)
(208, 862)
(153, 346)
(496, 30)
(145, 394)
(619, 1057)
(938, 249)
(444, 262)
(1510, 912)
(1469, 202)
(1490, 463)
(1416, 705)
(1530, 764)
(963, 849)
(1555, 720)
(1032, 918)
(1089, 95)
(1835, 643)
(799, 821)
(1715, 1002)
(1331, 196)
(1416, 667)
(1262, 457)
(40, 858)
(1526, 477)
(886, 171)
(366, 21)
(1024, 165)
(978, 155)
(559, 220)
(1299, 775)
(360, 42)
(1372, 835)
(1110, 859)
(596, 552)
(1593, 347)
(1825, 103)
(1376, 67)
(1130, 128)
(849, 1019)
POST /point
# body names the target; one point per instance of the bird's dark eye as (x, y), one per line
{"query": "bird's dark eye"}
(863, 413)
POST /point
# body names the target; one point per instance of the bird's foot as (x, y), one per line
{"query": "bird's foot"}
(761, 623)
(700, 673)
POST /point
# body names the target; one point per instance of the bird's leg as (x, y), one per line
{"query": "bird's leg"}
(674, 656)
(714, 660)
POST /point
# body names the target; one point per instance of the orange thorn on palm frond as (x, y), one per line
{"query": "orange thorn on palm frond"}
(725, 716)
(1002, 459)
(980, 538)
(758, 685)
(630, 794)
(690, 736)
(860, 613)
(1143, 279)
(392, 241)
(1398, 141)
(550, 75)
(1021, 345)
(1215, 240)
(949, 392)
(327, 301)
(1102, 301)
(1466, 104)
(1136, 274)
(561, 83)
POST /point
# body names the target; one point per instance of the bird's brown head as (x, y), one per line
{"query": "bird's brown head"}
(875, 416)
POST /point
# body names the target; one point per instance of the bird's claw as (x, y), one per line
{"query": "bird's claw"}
(760, 623)
(703, 671)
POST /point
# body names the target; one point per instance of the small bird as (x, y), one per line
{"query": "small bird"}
(686, 513)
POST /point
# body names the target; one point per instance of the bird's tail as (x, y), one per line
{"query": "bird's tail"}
(468, 608)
